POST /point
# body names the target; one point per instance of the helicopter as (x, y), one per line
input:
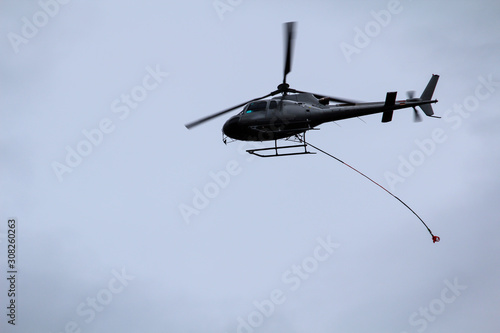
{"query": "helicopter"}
(295, 112)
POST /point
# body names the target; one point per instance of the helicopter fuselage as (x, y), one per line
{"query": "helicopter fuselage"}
(282, 117)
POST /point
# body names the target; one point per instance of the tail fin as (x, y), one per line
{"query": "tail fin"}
(427, 108)
(427, 95)
(429, 90)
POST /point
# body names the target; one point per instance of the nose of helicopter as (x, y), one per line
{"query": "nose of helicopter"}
(230, 128)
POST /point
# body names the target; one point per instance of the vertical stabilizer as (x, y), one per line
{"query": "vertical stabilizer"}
(429, 90)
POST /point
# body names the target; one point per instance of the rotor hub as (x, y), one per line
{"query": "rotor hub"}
(283, 87)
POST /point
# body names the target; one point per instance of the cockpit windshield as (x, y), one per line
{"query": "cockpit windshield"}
(256, 106)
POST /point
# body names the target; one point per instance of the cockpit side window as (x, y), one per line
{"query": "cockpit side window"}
(256, 106)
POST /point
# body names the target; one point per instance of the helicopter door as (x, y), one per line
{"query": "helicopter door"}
(271, 109)
(273, 105)
(273, 114)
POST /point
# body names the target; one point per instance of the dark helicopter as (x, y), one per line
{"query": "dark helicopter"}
(295, 112)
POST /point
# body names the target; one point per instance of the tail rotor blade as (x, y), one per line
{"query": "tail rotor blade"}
(416, 116)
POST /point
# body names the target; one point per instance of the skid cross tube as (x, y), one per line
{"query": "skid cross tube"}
(276, 148)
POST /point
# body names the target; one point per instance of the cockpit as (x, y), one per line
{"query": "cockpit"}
(259, 106)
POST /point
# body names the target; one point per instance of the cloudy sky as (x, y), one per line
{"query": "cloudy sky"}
(128, 222)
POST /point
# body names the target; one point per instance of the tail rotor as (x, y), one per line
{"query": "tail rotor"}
(416, 115)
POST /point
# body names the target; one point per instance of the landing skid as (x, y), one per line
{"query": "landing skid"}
(277, 150)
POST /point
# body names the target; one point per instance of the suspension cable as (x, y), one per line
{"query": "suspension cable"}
(434, 238)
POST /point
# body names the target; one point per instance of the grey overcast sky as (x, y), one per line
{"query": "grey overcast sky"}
(129, 222)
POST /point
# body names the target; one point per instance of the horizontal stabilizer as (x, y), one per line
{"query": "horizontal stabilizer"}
(390, 100)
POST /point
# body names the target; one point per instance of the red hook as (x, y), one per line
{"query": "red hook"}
(435, 239)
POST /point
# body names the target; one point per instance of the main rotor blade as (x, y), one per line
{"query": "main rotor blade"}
(202, 120)
(331, 98)
(289, 38)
